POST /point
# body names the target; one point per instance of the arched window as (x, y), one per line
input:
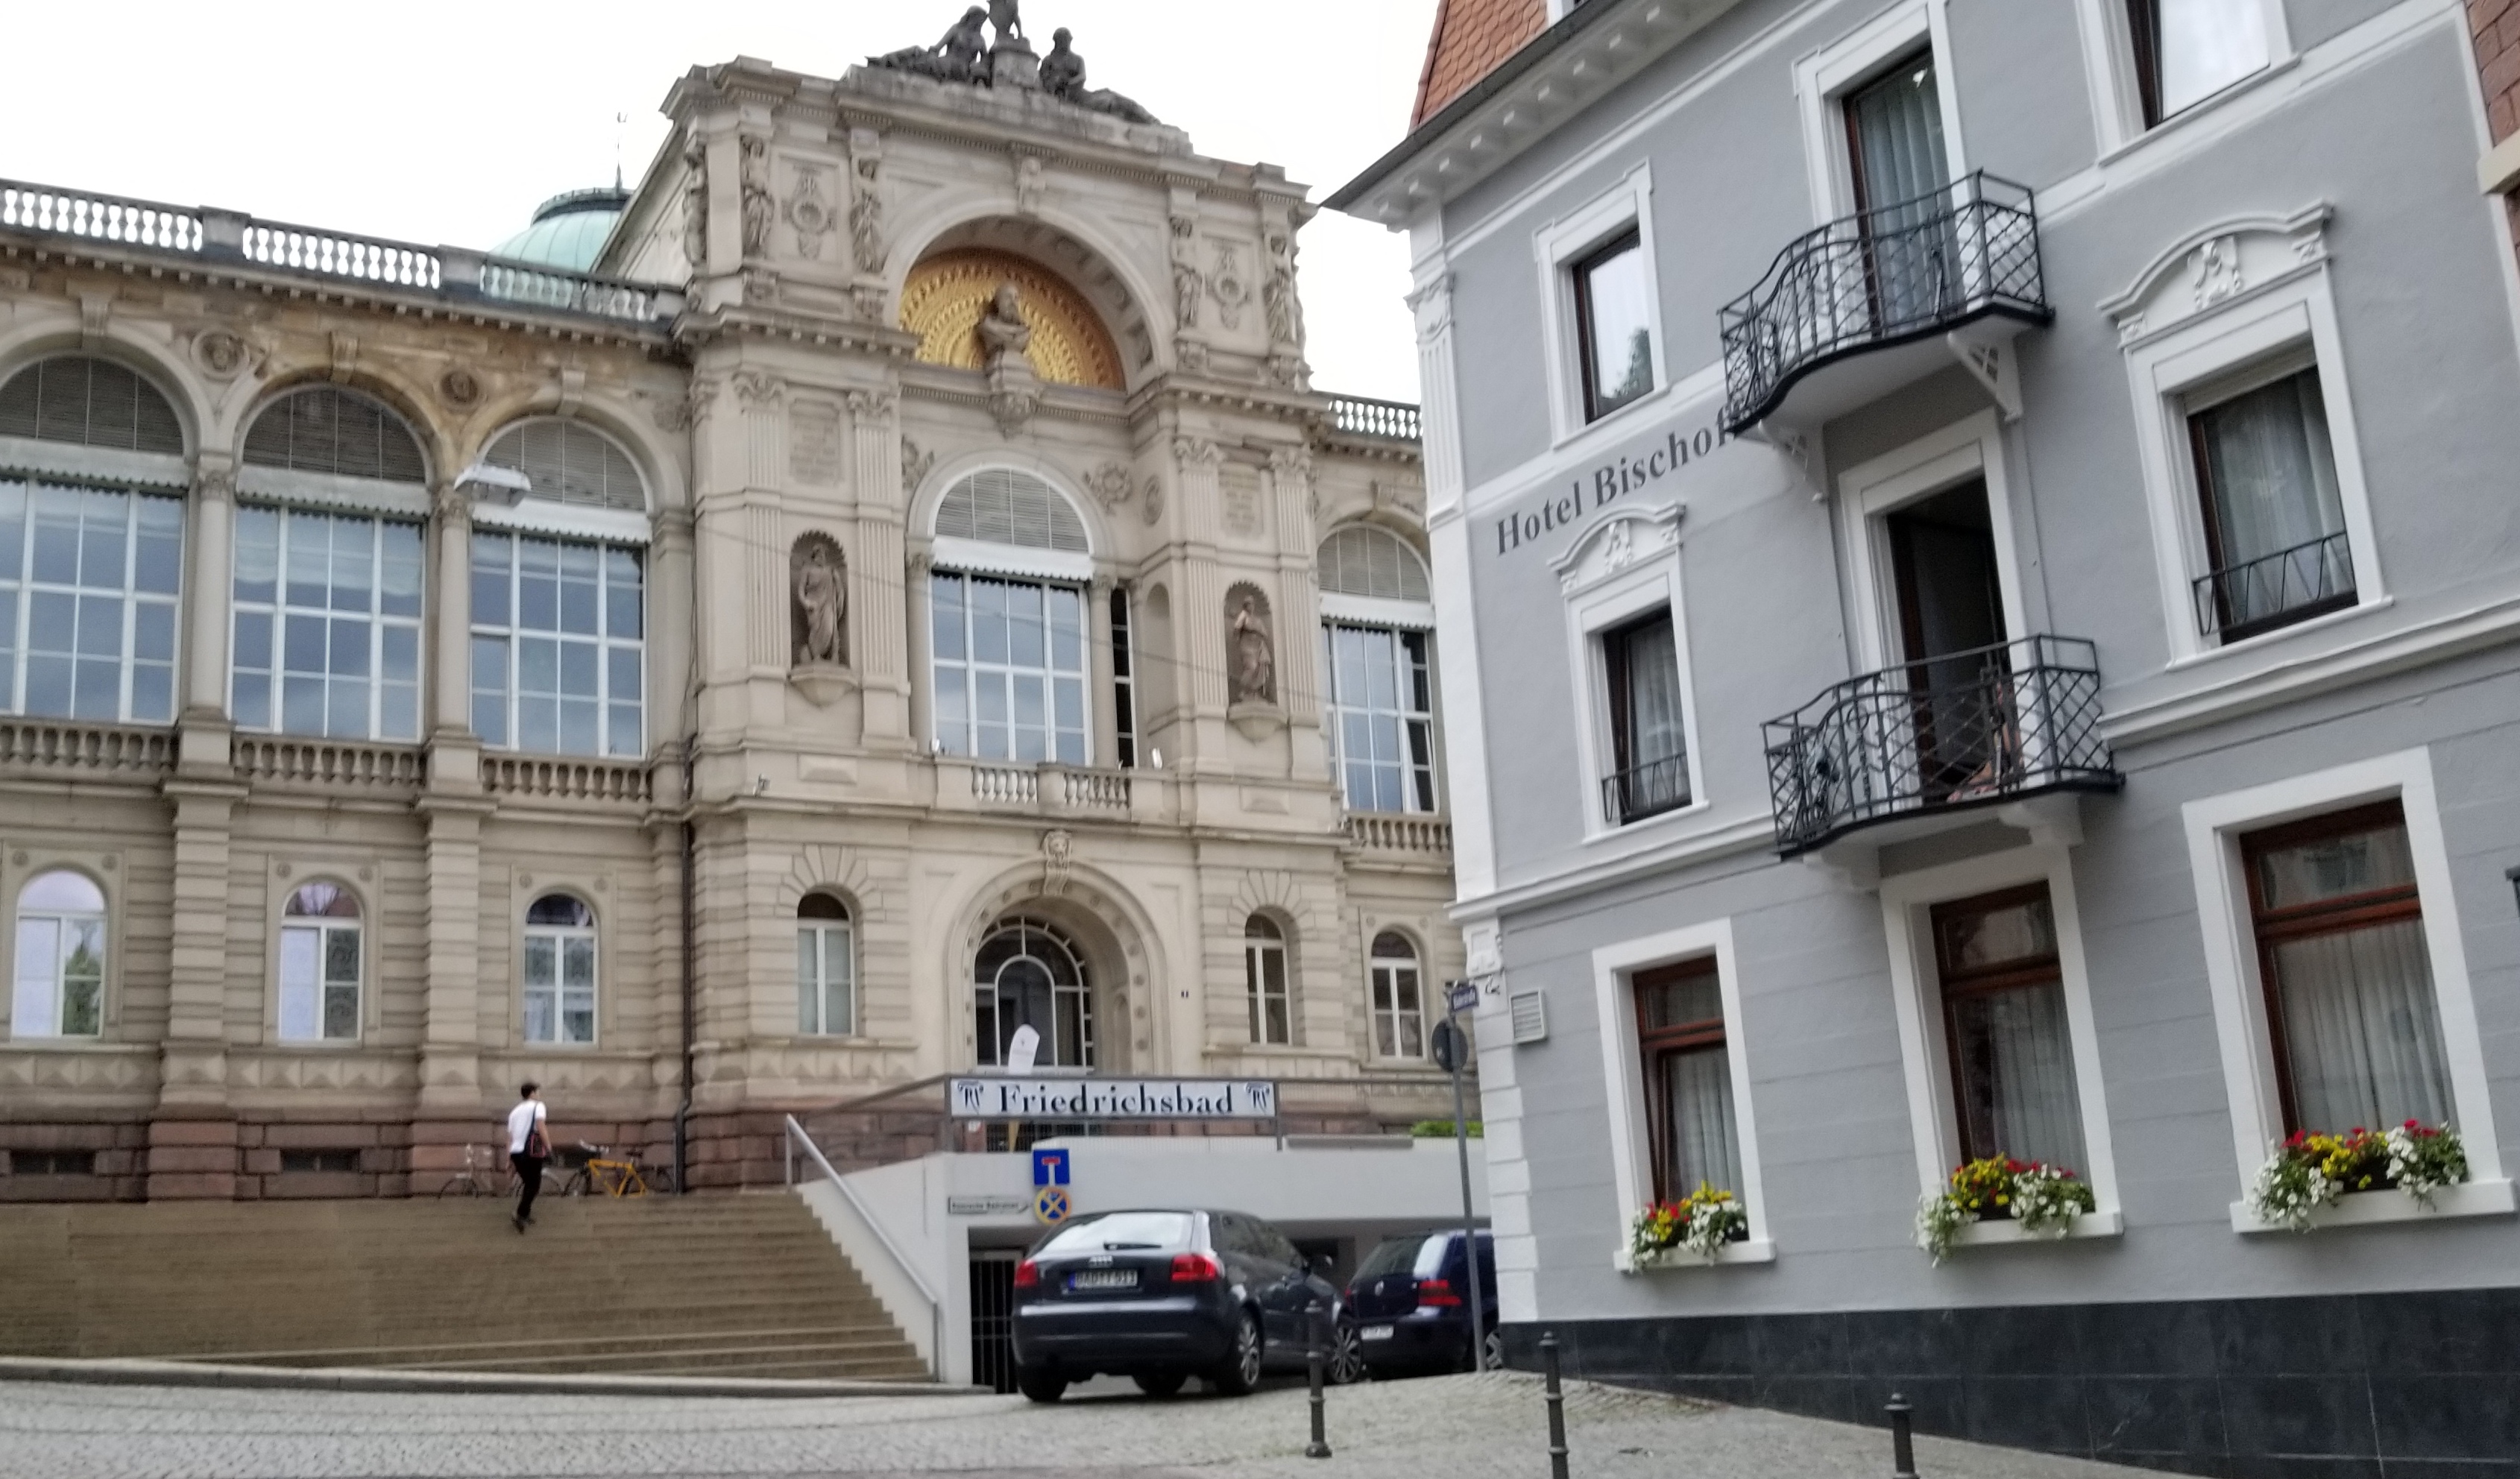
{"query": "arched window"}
(570, 462)
(1264, 981)
(559, 971)
(90, 574)
(327, 601)
(92, 402)
(1399, 1014)
(1026, 974)
(61, 958)
(1006, 506)
(1378, 679)
(320, 960)
(826, 967)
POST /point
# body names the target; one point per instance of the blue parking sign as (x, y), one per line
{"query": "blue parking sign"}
(1048, 1168)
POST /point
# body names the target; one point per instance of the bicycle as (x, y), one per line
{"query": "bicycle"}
(488, 1173)
(605, 1174)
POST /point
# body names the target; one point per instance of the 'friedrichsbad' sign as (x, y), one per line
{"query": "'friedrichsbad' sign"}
(1073, 1099)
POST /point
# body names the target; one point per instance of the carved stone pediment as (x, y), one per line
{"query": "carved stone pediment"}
(1616, 541)
(2207, 268)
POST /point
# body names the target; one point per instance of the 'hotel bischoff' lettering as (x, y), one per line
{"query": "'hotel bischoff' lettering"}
(1611, 480)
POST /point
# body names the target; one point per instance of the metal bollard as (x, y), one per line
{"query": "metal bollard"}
(1556, 1406)
(1903, 1442)
(1320, 1447)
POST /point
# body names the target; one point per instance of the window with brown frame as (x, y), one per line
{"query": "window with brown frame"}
(2274, 516)
(2347, 975)
(2005, 1026)
(1613, 323)
(1687, 1070)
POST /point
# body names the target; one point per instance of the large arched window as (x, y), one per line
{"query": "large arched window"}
(90, 571)
(559, 971)
(1399, 1010)
(1009, 632)
(826, 967)
(61, 958)
(560, 605)
(1378, 681)
(1264, 981)
(1026, 974)
(327, 570)
(320, 960)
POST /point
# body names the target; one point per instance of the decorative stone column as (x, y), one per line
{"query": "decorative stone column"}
(921, 648)
(209, 559)
(1102, 700)
(875, 472)
(193, 1136)
(454, 751)
(450, 1076)
(670, 658)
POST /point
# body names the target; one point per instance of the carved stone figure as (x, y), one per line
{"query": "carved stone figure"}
(865, 216)
(821, 601)
(695, 204)
(1028, 186)
(957, 57)
(1255, 656)
(1004, 19)
(1278, 294)
(1001, 330)
(1188, 286)
(219, 352)
(1062, 76)
(915, 463)
(758, 211)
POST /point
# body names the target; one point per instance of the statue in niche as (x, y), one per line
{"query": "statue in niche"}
(695, 204)
(957, 58)
(819, 604)
(1255, 656)
(758, 211)
(1004, 334)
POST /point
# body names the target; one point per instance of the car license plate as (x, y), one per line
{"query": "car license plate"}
(1375, 1333)
(1104, 1278)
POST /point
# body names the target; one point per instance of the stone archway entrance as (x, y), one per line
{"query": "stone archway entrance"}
(1029, 973)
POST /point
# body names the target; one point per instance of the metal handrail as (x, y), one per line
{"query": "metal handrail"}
(1881, 277)
(1644, 790)
(1989, 724)
(908, 1270)
(2228, 600)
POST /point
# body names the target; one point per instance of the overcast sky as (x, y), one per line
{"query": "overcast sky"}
(434, 125)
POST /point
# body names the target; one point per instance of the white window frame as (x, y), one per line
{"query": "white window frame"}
(1255, 984)
(1824, 77)
(560, 935)
(1871, 491)
(972, 668)
(2269, 299)
(1556, 247)
(2117, 93)
(606, 643)
(2214, 828)
(279, 608)
(1614, 970)
(323, 927)
(1603, 592)
(823, 930)
(1428, 1016)
(19, 882)
(19, 588)
(1334, 706)
(1916, 982)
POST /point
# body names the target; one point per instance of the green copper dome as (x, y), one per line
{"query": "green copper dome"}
(569, 230)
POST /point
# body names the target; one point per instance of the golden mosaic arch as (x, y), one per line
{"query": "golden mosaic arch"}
(947, 292)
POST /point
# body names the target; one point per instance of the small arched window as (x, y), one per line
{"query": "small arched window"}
(336, 433)
(559, 971)
(1361, 559)
(1264, 981)
(92, 402)
(1399, 1012)
(1006, 506)
(1026, 974)
(320, 960)
(570, 462)
(61, 958)
(826, 967)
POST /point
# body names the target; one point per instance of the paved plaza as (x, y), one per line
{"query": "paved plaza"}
(1458, 1427)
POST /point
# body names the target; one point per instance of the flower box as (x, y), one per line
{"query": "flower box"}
(1745, 1250)
(2309, 1177)
(2029, 1199)
(2366, 1209)
(1695, 1231)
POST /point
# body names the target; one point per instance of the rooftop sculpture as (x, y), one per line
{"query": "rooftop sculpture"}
(1000, 55)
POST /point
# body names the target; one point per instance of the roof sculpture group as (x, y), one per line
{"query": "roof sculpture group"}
(1002, 56)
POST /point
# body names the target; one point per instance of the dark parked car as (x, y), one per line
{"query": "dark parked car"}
(1163, 1296)
(1410, 1308)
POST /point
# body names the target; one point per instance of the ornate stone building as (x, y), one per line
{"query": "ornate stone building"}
(907, 590)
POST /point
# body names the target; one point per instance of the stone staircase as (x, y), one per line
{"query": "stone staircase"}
(712, 1286)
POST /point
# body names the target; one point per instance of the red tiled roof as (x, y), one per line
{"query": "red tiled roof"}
(1471, 37)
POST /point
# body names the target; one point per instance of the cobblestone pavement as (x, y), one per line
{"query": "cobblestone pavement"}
(1456, 1427)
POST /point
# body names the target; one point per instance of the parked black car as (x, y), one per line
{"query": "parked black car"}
(1163, 1296)
(1409, 1304)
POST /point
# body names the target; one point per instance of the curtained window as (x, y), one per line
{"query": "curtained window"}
(1649, 746)
(1614, 324)
(1689, 1080)
(1894, 131)
(2003, 1023)
(2275, 520)
(2348, 976)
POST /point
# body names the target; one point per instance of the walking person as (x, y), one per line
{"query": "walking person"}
(528, 1147)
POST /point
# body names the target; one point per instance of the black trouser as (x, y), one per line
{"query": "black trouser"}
(529, 1181)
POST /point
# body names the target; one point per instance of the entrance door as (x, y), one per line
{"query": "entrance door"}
(1894, 138)
(1951, 635)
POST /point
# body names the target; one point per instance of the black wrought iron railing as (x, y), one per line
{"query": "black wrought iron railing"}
(2313, 577)
(1879, 278)
(1990, 725)
(1645, 790)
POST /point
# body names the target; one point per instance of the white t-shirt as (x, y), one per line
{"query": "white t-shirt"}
(521, 1122)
